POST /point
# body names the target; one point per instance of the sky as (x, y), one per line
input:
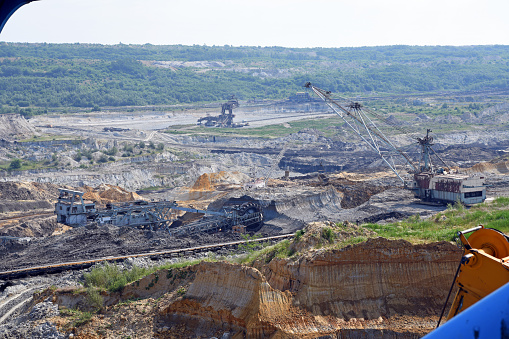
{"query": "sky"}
(286, 23)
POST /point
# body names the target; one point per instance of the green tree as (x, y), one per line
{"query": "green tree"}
(15, 164)
(128, 149)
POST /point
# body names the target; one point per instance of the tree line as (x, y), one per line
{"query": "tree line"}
(37, 77)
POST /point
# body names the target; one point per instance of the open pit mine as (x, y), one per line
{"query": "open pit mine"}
(234, 235)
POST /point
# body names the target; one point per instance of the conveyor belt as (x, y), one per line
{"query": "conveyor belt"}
(77, 265)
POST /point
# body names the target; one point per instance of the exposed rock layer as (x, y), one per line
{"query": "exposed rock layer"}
(379, 288)
(365, 287)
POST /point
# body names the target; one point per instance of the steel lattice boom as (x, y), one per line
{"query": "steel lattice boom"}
(354, 115)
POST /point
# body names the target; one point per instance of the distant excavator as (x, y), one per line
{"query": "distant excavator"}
(431, 184)
(225, 119)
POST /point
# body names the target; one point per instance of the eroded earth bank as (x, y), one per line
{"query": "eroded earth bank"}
(378, 288)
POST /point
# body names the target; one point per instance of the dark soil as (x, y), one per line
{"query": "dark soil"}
(86, 243)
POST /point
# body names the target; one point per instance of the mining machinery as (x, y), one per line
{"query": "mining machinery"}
(225, 119)
(72, 210)
(484, 266)
(430, 183)
(480, 307)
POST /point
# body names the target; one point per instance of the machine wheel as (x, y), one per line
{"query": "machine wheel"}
(493, 242)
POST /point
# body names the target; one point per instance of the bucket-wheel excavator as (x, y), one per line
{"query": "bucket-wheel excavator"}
(225, 119)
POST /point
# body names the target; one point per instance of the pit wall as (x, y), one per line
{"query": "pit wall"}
(378, 278)
(359, 291)
(380, 288)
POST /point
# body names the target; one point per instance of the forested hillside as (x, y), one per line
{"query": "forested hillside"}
(35, 77)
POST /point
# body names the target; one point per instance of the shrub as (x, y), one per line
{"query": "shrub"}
(249, 246)
(78, 317)
(94, 298)
(111, 151)
(112, 278)
(77, 157)
(103, 159)
(298, 235)
(128, 149)
(15, 164)
(328, 234)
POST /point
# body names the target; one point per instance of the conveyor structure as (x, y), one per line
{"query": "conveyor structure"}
(72, 210)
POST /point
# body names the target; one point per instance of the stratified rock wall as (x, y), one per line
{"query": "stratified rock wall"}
(236, 295)
(376, 289)
(356, 291)
(377, 278)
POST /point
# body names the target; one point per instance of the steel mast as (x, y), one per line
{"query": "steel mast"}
(355, 117)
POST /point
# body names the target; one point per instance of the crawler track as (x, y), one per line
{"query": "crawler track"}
(77, 265)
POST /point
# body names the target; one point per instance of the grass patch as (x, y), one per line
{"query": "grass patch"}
(183, 264)
(249, 246)
(444, 225)
(26, 165)
(350, 241)
(279, 250)
(49, 137)
(153, 188)
(78, 318)
(298, 235)
(269, 131)
(328, 234)
(112, 278)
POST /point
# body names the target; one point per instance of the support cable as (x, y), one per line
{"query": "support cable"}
(448, 295)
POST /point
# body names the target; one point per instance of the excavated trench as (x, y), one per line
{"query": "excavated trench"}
(380, 288)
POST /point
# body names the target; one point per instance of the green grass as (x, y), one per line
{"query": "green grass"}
(279, 250)
(112, 278)
(49, 137)
(153, 188)
(78, 318)
(350, 241)
(445, 224)
(269, 131)
(30, 165)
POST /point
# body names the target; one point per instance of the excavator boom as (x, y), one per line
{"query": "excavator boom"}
(354, 116)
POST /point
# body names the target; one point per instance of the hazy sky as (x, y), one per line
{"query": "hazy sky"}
(295, 23)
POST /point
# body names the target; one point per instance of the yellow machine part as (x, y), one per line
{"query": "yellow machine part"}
(484, 268)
